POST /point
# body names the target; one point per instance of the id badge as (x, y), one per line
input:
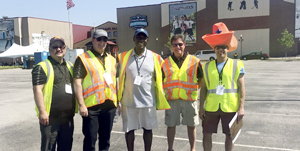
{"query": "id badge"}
(107, 78)
(220, 90)
(137, 80)
(68, 88)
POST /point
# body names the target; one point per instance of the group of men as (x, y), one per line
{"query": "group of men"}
(146, 83)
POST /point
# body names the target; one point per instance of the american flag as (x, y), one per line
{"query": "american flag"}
(70, 4)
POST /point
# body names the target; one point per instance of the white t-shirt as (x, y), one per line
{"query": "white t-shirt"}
(189, 23)
(177, 24)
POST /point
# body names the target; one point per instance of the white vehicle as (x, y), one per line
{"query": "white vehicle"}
(206, 54)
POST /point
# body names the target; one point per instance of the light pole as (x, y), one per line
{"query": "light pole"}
(241, 40)
(42, 39)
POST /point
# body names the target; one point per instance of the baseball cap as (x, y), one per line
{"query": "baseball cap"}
(141, 30)
(99, 33)
(56, 38)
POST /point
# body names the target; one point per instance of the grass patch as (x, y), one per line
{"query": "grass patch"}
(10, 67)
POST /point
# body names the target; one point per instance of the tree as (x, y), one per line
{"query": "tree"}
(168, 44)
(286, 40)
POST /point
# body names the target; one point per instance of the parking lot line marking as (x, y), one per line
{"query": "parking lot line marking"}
(274, 114)
(219, 143)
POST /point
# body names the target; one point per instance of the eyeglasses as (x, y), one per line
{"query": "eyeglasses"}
(179, 44)
(140, 38)
(102, 39)
(222, 47)
(56, 47)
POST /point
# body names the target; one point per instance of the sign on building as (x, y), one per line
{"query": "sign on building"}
(41, 39)
(183, 20)
(138, 21)
(6, 34)
(297, 19)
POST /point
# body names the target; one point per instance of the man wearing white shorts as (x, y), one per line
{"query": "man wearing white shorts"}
(182, 74)
(138, 69)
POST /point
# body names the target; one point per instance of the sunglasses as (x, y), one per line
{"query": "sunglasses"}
(179, 44)
(56, 47)
(102, 39)
(140, 38)
(222, 47)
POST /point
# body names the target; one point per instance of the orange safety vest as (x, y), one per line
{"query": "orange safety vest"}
(181, 83)
(95, 88)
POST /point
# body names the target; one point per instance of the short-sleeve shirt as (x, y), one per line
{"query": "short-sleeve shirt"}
(143, 95)
(221, 65)
(189, 24)
(63, 104)
(176, 24)
(79, 70)
(179, 63)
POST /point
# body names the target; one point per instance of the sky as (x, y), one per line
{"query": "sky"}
(85, 12)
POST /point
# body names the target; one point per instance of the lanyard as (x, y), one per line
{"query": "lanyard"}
(137, 64)
(102, 63)
(220, 74)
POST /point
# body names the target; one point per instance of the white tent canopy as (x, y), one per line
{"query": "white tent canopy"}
(18, 51)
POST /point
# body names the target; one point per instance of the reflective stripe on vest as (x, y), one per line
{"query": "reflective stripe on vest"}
(161, 102)
(95, 88)
(228, 102)
(48, 87)
(181, 83)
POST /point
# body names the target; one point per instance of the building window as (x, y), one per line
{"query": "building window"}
(115, 34)
(109, 34)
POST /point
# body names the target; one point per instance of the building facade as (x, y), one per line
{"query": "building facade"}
(257, 24)
(26, 30)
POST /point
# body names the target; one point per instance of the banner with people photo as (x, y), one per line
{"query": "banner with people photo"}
(183, 20)
(297, 19)
(6, 34)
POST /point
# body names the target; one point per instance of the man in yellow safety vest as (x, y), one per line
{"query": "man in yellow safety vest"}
(140, 90)
(182, 74)
(95, 89)
(223, 87)
(54, 98)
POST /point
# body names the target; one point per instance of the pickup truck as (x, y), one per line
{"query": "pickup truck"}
(206, 54)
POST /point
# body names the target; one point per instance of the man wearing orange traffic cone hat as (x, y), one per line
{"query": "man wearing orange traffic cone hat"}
(222, 88)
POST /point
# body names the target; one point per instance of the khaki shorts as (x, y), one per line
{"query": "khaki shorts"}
(211, 121)
(187, 110)
(138, 118)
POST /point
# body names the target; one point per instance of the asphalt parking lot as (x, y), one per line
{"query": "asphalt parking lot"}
(271, 123)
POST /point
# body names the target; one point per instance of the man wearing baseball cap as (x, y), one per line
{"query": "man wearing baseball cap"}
(182, 74)
(95, 89)
(54, 98)
(222, 88)
(140, 90)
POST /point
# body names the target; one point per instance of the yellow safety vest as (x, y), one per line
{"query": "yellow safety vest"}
(95, 88)
(161, 102)
(181, 83)
(229, 101)
(48, 87)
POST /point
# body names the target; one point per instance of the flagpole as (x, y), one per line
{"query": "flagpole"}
(70, 29)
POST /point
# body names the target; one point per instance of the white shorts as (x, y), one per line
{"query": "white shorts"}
(138, 118)
(188, 111)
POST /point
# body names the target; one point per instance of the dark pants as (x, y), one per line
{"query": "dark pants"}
(99, 121)
(60, 132)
